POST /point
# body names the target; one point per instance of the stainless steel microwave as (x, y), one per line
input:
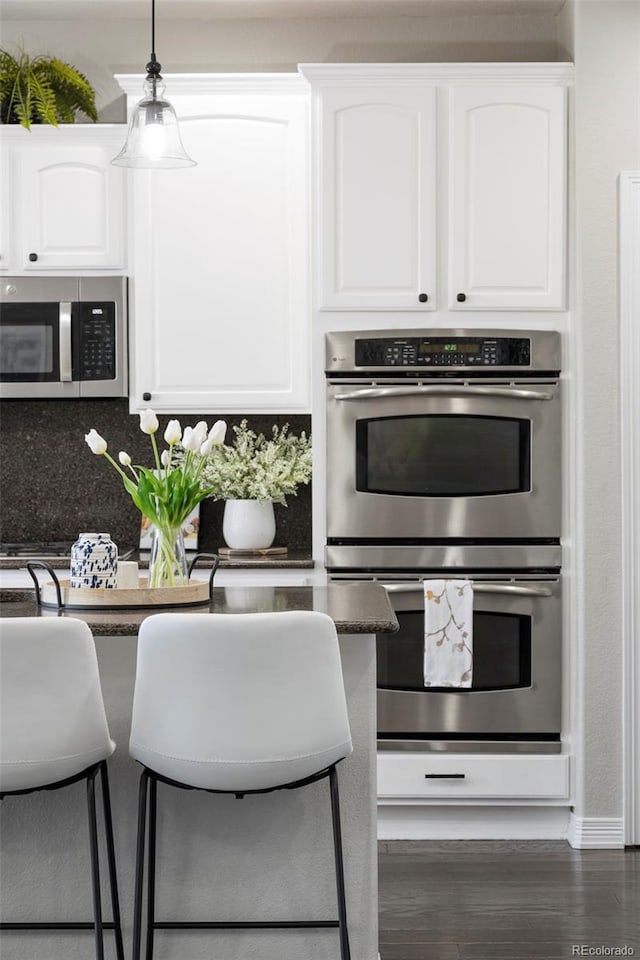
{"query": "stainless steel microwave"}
(63, 337)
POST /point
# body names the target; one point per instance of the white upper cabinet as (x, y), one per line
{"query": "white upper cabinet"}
(66, 201)
(468, 159)
(220, 307)
(377, 213)
(507, 197)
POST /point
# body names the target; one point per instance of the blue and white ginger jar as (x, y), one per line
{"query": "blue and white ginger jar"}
(94, 561)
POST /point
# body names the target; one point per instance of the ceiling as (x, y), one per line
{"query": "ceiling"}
(235, 9)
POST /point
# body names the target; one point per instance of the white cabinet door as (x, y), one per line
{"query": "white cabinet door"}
(68, 209)
(220, 302)
(507, 197)
(377, 199)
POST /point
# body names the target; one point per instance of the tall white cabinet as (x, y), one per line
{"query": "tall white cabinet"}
(466, 160)
(220, 252)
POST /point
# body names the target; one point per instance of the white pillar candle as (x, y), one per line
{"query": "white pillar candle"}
(127, 575)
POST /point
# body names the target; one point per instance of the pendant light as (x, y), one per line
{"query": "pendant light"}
(153, 139)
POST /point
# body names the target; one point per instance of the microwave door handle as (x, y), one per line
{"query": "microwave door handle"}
(66, 373)
(515, 393)
(506, 589)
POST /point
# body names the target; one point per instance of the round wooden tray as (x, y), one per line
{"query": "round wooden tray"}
(60, 593)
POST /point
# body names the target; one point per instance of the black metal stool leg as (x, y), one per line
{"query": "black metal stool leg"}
(111, 858)
(95, 864)
(345, 952)
(151, 866)
(137, 910)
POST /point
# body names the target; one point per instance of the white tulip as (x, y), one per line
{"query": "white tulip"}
(165, 458)
(173, 433)
(218, 432)
(200, 431)
(96, 443)
(189, 439)
(206, 447)
(124, 459)
(148, 421)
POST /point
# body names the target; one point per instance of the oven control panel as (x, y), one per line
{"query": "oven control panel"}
(443, 352)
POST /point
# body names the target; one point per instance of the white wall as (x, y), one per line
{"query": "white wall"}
(101, 48)
(603, 37)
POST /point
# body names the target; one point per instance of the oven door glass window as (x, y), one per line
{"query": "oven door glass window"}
(29, 345)
(450, 455)
(501, 653)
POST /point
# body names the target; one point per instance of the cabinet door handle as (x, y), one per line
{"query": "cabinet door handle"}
(33, 257)
(444, 776)
(461, 297)
(146, 396)
(423, 297)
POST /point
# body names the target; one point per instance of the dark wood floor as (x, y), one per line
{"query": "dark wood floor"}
(486, 900)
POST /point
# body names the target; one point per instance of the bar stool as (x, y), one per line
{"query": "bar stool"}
(53, 732)
(221, 705)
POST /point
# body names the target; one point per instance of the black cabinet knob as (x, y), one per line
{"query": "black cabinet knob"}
(33, 257)
(422, 297)
(461, 297)
(146, 396)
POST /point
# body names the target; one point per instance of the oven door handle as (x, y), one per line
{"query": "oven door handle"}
(449, 390)
(508, 589)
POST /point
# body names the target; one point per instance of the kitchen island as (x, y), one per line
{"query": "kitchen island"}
(265, 857)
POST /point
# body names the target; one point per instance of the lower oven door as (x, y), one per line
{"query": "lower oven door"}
(517, 666)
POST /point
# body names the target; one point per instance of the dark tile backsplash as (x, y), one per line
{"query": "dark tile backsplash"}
(52, 486)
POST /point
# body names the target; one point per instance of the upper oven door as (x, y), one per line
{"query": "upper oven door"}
(443, 460)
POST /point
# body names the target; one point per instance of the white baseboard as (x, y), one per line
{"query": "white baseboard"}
(427, 822)
(588, 833)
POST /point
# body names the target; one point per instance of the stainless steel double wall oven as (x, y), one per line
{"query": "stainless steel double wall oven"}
(444, 460)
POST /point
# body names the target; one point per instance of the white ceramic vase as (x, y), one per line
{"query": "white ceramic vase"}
(248, 524)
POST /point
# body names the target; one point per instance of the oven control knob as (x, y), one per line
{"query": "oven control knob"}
(423, 297)
(10, 289)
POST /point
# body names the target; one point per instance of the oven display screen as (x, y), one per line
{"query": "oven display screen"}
(448, 347)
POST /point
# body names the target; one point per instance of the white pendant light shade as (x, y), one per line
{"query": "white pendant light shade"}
(153, 139)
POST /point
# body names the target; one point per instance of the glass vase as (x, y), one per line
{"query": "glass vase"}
(167, 561)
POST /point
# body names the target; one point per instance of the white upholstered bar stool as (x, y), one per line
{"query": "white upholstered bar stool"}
(53, 732)
(222, 703)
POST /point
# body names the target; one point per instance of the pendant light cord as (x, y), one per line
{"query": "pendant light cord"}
(153, 67)
(153, 29)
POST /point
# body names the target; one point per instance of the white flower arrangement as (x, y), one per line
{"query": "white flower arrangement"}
(256, 468)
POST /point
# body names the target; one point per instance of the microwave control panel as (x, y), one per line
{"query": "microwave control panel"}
(443, 352)
(96, 347)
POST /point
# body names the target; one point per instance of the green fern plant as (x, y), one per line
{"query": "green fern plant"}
(42, 90)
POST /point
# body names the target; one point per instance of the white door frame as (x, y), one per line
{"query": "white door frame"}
(629, 268)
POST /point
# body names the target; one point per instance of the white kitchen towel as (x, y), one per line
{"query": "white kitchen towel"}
(448, 633)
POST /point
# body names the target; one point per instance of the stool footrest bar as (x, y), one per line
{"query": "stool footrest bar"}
(239, 925)
(61, 925)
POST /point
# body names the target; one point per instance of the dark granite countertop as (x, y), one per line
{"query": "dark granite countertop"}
(354, 607)
(293, 559)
